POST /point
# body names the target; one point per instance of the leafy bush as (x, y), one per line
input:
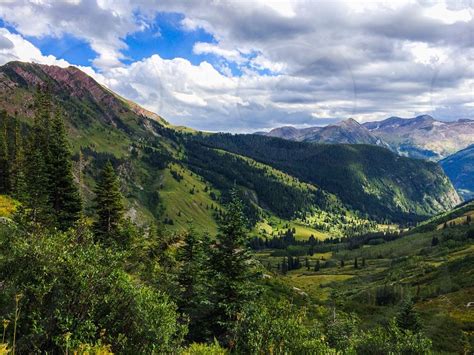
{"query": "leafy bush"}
(277, 328)
(391, 340)
(204, 349)
(71, 285)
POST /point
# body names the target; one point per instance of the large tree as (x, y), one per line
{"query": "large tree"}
(109, 206)
(17, 165)
(37, 162)
(407, 318)
(4, 161)
(64, 194)
(234, 270)
(194, 282)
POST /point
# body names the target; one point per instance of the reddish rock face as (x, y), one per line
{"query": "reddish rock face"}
(65, 84)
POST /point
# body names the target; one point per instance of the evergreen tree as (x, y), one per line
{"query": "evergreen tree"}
(342, 263)
(109, 208)
(194, 283)
(17, 166)
(4, 161)
(317, 266)
(37, 204)
(407, 318)
(356, 265)
(64, 194)
(284, 266)
(434, 241)
(233, 267)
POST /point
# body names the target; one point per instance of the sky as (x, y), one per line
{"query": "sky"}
(251, 65)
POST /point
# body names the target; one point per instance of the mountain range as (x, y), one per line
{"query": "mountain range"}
(420, 137)
(176, 175)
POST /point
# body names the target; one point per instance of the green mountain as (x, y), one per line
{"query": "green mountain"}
(370, 179)
(178, 176)
(460, 169)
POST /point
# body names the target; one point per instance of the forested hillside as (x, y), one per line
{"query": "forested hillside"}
(370, 179)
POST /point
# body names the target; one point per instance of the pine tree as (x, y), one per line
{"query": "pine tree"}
(17, 166)
(194, 283)
(109, 207)
(4, 161)
(64, 194)
(317, 266)
(284, 266)
(407, 318)
(233, 266)
(356, 265)
(37, 205)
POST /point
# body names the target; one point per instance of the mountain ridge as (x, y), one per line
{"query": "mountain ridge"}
(422, 137)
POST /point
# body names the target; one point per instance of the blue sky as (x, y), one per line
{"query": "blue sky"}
(242, 67)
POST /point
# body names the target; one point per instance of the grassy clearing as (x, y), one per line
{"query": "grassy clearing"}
(271, 226)
(186, 202)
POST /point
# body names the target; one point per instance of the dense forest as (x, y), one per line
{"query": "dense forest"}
(94, 282)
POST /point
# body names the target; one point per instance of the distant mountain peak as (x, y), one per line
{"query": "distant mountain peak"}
(350, 122)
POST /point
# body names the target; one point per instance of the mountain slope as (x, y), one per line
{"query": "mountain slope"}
(370, 179)
(176, 176)
(460, 169)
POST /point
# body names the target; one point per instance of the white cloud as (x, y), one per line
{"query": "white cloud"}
(21, 49)
(209, 48)
(327, 60)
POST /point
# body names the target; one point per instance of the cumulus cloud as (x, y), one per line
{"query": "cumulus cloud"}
(299, 62)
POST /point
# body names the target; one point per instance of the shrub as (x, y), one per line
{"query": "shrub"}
(391, 340)
(277, 328)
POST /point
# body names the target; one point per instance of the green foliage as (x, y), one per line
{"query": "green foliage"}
(195, 284)
(71, 285)
(109, 207)
(204, 349)
(64, 194)
(340, 330)
(407, 318)
(233, 272)
(392, 341)
(4, 158)
(277, 328)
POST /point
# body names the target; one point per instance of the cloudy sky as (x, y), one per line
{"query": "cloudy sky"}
(248, 65)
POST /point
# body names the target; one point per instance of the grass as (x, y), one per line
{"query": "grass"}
(185, 207)
(7, 206)
(272, 225)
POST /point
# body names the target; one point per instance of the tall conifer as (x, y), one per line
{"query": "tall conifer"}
(109, 206)
(232, 263)
(4, 161)
(64, 194)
